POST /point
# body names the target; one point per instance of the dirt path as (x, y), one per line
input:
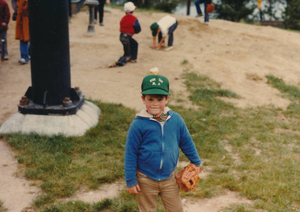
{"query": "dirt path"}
(236, 55)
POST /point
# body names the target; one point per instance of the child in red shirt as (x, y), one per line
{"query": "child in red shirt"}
(129, 25)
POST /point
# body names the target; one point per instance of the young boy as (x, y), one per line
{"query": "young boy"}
(4, 19)
(165, 26)
(152, 151)
(129, 25)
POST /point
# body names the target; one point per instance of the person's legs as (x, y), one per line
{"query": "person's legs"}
(169, 192)
(147, 197)
(101, 11)
(197, 5)
(126, 47)
(3, 35)
(24, 48)
(95, 13)
(133, 49)
(125, 40)
(171, 36)
(206, 17)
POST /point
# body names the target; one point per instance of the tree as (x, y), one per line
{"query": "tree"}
(272, 8)
(292, 15)
(234, 10)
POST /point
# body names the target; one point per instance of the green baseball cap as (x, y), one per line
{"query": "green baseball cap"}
(155, 84)
(154, 28)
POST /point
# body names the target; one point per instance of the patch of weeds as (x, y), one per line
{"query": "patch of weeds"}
(238, 208)
(104, 204)
(70, 206)
(2, 208)
(292, 92)
(43, 200)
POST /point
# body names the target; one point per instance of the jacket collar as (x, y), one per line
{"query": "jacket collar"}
(145, 114)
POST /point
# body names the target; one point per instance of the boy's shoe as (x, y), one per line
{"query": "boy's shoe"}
(95, 21)
(23, 61)
(101, 24)
(6, 57)
(169, 48)
(199, 15)
(206, 22)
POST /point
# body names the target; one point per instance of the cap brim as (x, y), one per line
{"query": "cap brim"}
(155, 91)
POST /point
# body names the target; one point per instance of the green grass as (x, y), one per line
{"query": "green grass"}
(253, 151)
(64, 164)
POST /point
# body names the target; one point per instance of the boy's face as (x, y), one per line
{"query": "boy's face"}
(155, 104)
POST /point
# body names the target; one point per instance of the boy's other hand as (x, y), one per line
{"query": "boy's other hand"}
(134, 189)
(154, 47)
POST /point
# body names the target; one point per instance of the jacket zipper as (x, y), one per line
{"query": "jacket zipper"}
(163, 145)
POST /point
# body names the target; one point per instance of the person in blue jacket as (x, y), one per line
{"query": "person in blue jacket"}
(152, 148)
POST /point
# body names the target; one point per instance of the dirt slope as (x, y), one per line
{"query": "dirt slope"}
(234, 54)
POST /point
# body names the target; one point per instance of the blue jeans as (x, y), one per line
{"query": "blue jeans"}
(24, 49)
(197, 4)
(170, 33)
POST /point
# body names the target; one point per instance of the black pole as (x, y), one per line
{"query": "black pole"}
(49, 46)
(50, 58)
(188, 7)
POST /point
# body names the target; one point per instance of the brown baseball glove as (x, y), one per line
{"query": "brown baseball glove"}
(188, 177)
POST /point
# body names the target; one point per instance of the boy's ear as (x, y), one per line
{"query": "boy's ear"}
(167, 99)
(143, 98)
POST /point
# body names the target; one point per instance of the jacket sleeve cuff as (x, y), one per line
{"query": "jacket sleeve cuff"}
(197, 163)
(131, 183)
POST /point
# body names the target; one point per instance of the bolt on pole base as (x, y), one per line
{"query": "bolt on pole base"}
(69, 105)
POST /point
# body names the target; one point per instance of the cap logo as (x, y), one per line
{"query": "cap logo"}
(153, 81)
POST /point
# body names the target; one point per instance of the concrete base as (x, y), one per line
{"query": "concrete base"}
(71, 125)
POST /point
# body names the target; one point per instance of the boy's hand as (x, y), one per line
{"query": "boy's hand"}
(198, 169)
(154, 47)
(134, 189)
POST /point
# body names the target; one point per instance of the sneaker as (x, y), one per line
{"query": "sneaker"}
(206, 22)
(101, 24)
(95, 21)
(169, 48)
(6, 57)
(199, 15)
(23, 61)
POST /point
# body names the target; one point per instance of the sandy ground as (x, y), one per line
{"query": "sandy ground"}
(236, 55)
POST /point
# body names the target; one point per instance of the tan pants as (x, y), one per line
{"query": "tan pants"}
(150, 189)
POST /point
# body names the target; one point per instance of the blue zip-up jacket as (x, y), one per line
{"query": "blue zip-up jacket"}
(152, 147)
